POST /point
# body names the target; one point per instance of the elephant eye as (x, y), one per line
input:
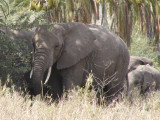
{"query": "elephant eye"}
(57, 46)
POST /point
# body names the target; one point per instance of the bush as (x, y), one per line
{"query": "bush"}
(140, 47)
(14, 60)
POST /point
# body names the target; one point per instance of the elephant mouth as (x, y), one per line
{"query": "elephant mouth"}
(48, 75)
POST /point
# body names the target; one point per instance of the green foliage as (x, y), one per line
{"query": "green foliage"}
(19, 16)
(140, 47)
(25, 20)
(24, 3)
(14, 59)
(66, 10)
(4, 10)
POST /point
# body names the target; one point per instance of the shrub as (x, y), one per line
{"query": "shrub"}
(140, 46)
(14, 59)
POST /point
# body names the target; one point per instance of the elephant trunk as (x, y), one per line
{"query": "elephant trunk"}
(39, 67)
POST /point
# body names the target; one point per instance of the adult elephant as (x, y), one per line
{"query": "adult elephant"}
(78, 49)
(135, 61)
(144, 76)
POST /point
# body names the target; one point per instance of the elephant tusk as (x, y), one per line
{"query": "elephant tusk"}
(31, 73)
(48, 75)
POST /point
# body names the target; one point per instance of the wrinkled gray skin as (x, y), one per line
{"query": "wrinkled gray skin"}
(23, 34)
(54, 86)
(144, 76)
(135, 61)
(78, 49)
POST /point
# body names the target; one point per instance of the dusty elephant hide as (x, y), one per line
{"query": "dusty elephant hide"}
(78, 49)
(135, 61)
(144, 76)
(54, 87)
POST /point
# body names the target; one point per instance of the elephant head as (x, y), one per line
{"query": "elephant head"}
(64, 46)
(144, 75)
(135, 61)
(47, 49)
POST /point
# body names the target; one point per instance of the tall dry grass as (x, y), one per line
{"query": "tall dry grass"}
(78, 106)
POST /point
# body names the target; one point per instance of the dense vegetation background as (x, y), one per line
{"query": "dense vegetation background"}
(136, 21)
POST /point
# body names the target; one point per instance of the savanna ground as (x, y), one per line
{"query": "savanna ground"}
(81, 104)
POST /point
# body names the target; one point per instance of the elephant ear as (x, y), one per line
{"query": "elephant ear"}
(146, 61)
(78, 43)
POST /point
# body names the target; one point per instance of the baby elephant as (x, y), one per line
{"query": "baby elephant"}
(135, 61)
(144, 75)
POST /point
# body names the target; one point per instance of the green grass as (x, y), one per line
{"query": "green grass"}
(140, 47)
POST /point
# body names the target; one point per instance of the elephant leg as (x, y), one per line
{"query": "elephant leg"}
(147, 82)
(117, 85)
(73, 76)
(55, 84)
